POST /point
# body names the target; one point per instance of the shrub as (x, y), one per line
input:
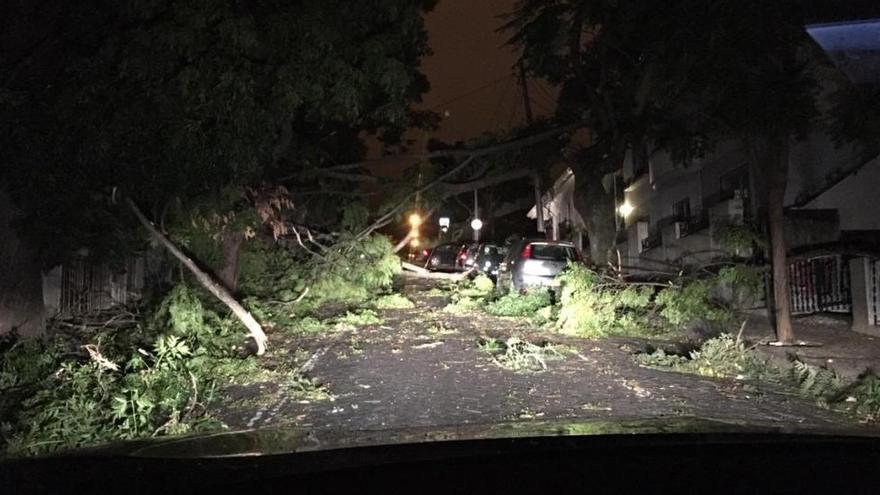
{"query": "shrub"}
(515, 304)
(863, 397)
(723, 356)
(480, 287)
(156, 380)
(814, 381)
(739, 238)
(727, 356)
(270, 271)
(589, 309)
(744, 285)
(546, 316)
(353, 271)
(691, 302)
(483, 284)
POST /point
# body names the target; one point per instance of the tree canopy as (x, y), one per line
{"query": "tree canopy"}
(170, 100)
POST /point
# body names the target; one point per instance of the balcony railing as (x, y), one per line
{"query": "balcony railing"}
(653, 240)
(693, 224)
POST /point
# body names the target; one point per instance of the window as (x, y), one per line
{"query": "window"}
(681, 210)
(735, 184)
(552, 252)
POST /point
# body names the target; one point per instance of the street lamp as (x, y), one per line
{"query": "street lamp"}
(476, 224)
(415, 220)
(625, 209)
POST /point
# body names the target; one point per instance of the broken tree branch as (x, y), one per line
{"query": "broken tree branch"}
(205, 279)
(387, 217)
(411, 270)
(465, 152)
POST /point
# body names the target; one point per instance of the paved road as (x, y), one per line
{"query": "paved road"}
(422, 368)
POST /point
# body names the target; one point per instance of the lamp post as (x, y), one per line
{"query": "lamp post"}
(476, 223)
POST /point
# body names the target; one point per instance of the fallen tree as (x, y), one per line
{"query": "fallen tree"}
(417, 271)
(443, 186)
(205, 279)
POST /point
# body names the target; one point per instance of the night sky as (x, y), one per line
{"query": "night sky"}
(473, 84)
(471, 69)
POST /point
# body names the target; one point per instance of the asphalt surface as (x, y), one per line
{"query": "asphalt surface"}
(423, 367)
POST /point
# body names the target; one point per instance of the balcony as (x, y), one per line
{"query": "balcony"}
(653, 240)
(692, 224)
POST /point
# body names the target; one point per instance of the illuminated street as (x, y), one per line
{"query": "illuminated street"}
(422, 367)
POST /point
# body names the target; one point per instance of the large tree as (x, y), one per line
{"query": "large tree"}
(679, 75)
(608, 59)
(750, 71)
(169, 102)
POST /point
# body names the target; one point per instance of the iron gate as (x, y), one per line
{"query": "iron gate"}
(87, 286)
(820, 284)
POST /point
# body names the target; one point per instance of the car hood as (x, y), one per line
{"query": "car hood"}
(277, 441)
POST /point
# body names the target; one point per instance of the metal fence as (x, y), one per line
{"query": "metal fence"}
(88, 286)
(820, 284)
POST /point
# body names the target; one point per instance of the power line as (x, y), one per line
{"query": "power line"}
(470, 92)
(514, 107)
(498, 105)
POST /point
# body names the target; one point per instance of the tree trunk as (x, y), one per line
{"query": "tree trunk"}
(205, 279)
(596, 207)
(777, 170)
(232, 242)
(539, 202)
(403, 242)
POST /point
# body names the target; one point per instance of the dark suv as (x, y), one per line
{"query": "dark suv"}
(535, 263)
(444, 257)
(489, 258)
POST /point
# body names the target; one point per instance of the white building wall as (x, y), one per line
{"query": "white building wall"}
(856, 198)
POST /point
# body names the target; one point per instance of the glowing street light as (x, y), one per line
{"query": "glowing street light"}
(444, 224)
(476, 224)
(415, 220)
(625, 209)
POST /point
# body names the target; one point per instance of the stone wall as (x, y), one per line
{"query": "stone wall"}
(21, 294)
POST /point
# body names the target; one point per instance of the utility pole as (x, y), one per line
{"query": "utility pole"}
(527, 106)
(539, 202)
(476, 215)
(527, 103)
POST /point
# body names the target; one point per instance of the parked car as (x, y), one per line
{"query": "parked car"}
(489, 258)
(467, 255)
(420, 258)
(444, 257)
(535, 263)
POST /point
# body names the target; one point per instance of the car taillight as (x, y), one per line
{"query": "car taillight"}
(526, 252)
(425, 252)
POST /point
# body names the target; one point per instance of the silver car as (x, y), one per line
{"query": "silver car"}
(535, 263)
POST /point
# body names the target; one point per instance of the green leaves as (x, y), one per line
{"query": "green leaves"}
(694, 301)
(593, 308)
(172, 100)
(515, 304)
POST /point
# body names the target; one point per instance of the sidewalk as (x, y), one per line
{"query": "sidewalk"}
(830, 342)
